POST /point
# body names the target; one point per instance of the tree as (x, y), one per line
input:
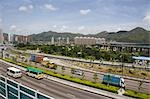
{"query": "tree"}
(47, 65)
(92, 58)
(82, 76)
(140, 84)
(63, 69)
(95, 77)
(72, 71)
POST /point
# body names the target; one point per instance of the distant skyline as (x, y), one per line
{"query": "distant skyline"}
(76, 16)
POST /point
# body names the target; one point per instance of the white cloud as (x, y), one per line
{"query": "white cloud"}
(147, 19)
(50, 7)
(85, 12)
(25, 8)
(63, 27)
(15, 28)
(81, 27)
(54, 26)
(30, 7)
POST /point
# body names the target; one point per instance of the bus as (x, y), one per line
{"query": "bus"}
(14, 72)
(35, 73)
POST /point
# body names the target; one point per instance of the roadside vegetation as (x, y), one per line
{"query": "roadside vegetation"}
(85, 82)
(85, 52)
(131, 72)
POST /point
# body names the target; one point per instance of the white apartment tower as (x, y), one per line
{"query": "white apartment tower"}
(52, 40)
(68, 40)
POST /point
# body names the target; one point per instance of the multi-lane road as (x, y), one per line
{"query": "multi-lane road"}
(52, 88)
(130, 83)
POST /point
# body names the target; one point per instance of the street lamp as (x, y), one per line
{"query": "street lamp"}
(2, 52)
(121, 56)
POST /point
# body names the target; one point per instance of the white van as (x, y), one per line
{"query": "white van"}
(77, 72)
(14, 72)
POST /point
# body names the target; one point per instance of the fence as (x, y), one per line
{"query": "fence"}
(10, 89)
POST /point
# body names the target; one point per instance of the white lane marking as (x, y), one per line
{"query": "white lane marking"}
(71, 96)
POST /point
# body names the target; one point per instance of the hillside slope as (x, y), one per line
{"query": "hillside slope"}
(137, 35)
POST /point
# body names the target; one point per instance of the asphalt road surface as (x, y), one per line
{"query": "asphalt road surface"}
(51, 88)
(130, 84)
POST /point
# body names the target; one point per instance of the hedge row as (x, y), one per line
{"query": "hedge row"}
(109, 88)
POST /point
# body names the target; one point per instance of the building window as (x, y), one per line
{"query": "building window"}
(27, 90)
(12, 96)
(41, 97)
(1, 78)
(23, 96)
(12, 90)
(2, 85)
(2, 91)
(12, 83)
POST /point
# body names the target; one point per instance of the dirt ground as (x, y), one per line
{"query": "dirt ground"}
(111, 69)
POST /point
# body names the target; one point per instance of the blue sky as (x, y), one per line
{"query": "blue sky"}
(77, 16)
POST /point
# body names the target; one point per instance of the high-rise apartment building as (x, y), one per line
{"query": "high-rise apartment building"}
(21, 39)
(88, 40)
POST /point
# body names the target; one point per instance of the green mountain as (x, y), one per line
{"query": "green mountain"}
(46, 36)
(137, 35)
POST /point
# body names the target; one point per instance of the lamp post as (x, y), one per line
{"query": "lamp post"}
(121, 56)
(2, 52)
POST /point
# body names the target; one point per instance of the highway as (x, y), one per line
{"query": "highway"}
(106, 63)
(130, 84)
(51, 88)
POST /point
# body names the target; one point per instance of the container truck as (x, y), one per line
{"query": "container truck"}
(33, 58)
(39, 58)
(113, 80)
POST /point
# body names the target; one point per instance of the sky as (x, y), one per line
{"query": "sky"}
(77, 16)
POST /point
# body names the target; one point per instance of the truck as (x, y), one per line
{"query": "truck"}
(115, 80)
(33, 58)
(39, 58)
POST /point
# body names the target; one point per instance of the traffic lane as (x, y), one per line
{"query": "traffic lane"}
(55, 89)
(130, 84)
(134, 85)
(36, 86)
(74, 91)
